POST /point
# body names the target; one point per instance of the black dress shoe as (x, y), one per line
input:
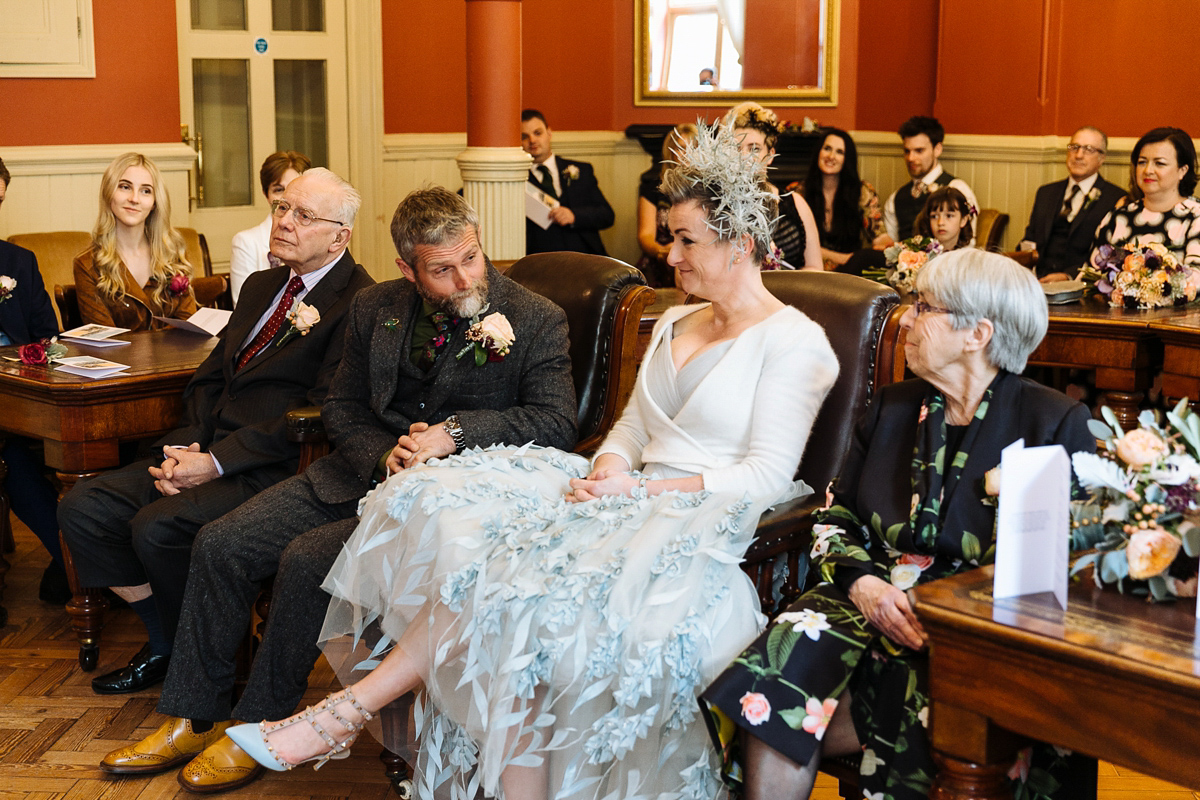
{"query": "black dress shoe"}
(54, 587)
(144, 670)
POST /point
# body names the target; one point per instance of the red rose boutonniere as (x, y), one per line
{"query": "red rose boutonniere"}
(179, 284)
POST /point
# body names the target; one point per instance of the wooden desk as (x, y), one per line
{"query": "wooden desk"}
(1122, 347)
(83, 422)
(1112, 676)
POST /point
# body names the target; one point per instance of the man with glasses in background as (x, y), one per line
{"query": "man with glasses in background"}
(1065, 216)
(132, 529)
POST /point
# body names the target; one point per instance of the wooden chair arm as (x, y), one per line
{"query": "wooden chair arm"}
(305, 426)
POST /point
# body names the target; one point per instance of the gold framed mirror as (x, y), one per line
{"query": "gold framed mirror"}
(719, 52)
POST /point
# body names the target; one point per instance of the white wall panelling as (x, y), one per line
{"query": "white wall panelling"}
(56, 187)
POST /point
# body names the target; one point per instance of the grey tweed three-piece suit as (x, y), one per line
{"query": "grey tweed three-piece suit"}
(296, 529)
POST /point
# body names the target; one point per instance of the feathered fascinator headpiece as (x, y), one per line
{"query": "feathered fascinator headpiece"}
(730, 185)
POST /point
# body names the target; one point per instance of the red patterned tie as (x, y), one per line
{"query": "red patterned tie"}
(264, 337)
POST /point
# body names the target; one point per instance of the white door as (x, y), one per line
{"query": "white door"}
(257, 76)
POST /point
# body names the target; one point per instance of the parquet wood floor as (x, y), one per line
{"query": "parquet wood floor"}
(54, 730)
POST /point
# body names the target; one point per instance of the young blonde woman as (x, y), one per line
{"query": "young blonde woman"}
(136, 268)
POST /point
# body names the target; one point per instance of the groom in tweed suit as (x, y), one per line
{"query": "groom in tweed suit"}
(405, 392)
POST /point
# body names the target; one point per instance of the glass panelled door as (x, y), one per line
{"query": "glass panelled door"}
(257, 76)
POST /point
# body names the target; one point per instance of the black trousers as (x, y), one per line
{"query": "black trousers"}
(286, 531)
(123, 532)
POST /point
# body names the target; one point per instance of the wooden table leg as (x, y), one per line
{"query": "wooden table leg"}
(1125, 405)
(87, 605)
(962, 780)
(972, 754)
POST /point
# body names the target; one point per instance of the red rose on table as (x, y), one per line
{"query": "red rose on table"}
(179, 284)
(33, 353)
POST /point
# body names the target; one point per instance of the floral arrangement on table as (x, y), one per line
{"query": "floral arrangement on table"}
(1141, 274)
(1142, 513)
(42, 352)
(905, 259)
(7, 285)
(491, 338)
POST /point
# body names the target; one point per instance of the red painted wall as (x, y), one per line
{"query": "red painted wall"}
(424, 66)
(133, 98)
(774, 28)
(1024, 67)
(578, 67)
(897, 67)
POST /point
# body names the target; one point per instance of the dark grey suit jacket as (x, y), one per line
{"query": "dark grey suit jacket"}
(378, 393)
(238, 416)
(1082, 236)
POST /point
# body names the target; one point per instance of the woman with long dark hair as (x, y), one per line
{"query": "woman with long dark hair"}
(846, 207)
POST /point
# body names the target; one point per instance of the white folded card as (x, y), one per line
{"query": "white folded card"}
(209, 321)
(1033, 523)
(538, 205)
(89, 366)
(95, 335)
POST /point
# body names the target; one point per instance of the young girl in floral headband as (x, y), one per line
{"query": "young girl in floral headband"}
(948, 217)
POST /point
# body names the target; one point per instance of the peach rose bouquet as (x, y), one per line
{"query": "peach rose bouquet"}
(906, 258)
(491, 337)
(1143, 506)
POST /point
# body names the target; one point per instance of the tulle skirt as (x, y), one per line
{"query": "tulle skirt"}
(570, 638)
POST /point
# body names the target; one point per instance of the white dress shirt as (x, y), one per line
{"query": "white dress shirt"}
(551, 164)
(889, 208)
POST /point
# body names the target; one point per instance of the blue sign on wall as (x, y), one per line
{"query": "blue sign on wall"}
(260, 45)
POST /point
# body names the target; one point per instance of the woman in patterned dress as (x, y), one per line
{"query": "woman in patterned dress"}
(844, 669)
(1162, 210)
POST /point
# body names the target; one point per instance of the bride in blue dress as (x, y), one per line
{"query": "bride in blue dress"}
(560, 618)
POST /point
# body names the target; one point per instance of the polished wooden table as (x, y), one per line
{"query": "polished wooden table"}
(83, 422)
(1112, 677)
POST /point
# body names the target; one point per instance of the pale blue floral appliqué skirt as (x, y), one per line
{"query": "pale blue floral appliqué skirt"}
(570, 637)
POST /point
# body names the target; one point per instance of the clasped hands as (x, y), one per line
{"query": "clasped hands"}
(423, 442)
(601, 482)
(889, 610)
(183, 468)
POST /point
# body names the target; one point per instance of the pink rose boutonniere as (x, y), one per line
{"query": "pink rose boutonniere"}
(491, 339)
(7, 285)
(179, 284)
(302, 317)
(571, 173)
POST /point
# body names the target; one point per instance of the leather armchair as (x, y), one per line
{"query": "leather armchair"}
(861, 318)
(989, 229)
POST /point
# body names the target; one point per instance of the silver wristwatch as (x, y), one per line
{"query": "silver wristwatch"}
(456, 432)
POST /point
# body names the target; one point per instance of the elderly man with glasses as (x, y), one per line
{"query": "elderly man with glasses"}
(132, 529)
(1066, 213)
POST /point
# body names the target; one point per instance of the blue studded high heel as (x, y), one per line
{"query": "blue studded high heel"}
(253, 738)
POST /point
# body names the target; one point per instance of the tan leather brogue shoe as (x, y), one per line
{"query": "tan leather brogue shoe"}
(174, 743)
(222, 766)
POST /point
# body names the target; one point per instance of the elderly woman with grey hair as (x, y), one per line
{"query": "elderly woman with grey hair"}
(844, 670)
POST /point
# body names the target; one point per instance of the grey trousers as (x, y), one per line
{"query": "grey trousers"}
(284, 531)
(122, 532)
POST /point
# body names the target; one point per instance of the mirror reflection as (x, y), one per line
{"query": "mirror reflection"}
(773, 49)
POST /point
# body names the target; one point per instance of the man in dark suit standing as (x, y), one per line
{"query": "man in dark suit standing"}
(409, 388)
(1065, 216)
(581, 213)
(132, 529)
